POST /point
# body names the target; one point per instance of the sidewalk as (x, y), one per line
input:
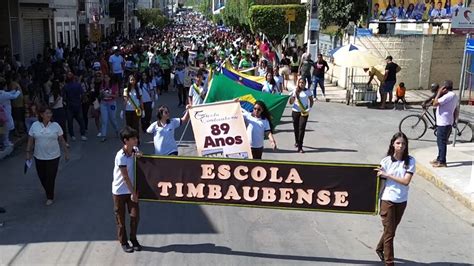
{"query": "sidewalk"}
(335, 94)
(458, 178)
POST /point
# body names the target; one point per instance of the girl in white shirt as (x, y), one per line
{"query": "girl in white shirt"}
(397, 169)
(133, 103)
(302, 101)
(163, 131)
(269, 85)
(258, 126)
(148, 94)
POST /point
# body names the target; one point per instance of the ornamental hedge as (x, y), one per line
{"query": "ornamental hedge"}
(270, 19)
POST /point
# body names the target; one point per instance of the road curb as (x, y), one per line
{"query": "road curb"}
(430, 176)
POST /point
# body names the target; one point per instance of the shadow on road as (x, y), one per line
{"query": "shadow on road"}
(210, 248)
(308, 149)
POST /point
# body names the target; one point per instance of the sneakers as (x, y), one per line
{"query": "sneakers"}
(83, 138)
(136, 246)
(127, 248)
(49, 202)
(99, 135)
(73, 138)
(439, 165)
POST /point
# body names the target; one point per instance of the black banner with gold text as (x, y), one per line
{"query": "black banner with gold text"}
(350, 188)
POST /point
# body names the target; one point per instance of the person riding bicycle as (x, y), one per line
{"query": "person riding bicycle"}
(429, 102)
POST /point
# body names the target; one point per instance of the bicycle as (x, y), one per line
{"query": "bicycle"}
(415, 126)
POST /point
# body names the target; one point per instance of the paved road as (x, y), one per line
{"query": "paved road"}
(79, 228)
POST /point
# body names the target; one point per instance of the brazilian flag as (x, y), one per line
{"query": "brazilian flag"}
(223, 88)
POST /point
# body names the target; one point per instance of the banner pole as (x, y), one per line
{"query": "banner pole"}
(184, 131)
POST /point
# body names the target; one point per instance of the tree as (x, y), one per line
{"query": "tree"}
(151, 17)
(341, 12)
(270, 20)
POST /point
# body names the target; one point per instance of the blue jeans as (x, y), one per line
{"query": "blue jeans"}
(442, 141)
(320, 81)
(107, 113)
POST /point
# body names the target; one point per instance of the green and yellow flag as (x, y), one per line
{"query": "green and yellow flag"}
(223, 88)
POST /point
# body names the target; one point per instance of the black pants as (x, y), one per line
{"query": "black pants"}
(59, 116)
(147, 119)
(166, 79)
(299, 127)
(257, 153)
(132, 120)
(182, 94)
(85, 115)
(75, 113)
(47, 171)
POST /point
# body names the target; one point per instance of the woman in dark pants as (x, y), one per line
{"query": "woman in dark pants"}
(397, 168)
(45, 136)
(133, 104)
(302, 101)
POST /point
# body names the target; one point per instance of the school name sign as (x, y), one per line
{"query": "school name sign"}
(350, 188)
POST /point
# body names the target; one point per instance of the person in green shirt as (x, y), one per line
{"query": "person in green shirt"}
(166, 64)
(245, 63)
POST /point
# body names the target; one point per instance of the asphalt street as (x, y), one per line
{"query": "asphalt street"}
(79, 228)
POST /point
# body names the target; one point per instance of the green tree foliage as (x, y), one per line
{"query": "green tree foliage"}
(341, 12)
(151, 17)
(236, 12)
(270, 19)
(205, 7)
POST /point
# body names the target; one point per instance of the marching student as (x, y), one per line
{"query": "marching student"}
(163, 131)
(397, 169)
(133, 103)
(302, 100)
(258, 126)
(123, 193)
(197, 92)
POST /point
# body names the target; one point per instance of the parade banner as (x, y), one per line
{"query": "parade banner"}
(347, 188)
(219, 130)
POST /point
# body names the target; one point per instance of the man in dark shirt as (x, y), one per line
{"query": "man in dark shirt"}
(390, 79)
(73, 93)
(305, 69)
(319, 68)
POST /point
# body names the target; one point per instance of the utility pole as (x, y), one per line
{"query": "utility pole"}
(313, 26)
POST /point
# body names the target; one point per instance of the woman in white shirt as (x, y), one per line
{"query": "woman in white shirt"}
(148, 94)
(133, 104)
(269, 85)
(397, 169)
(258, 126)
(45, 136)
(163, 131)
(302, 101)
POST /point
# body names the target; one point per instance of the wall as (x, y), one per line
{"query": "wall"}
(424, 59)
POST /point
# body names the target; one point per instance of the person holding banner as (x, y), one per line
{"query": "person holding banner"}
(302, 100)
(133, 103)
(163, 131)
(197, 92)
(124, 195)
(397, 169)
(258, 126)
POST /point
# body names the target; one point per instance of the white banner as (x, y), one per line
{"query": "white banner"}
(463, 21)
(219, 130)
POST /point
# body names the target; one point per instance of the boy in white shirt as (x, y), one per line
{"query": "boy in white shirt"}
(197, 92)
(124, 195)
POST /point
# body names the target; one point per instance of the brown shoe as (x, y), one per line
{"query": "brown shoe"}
(435, 161)
(440, 165)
